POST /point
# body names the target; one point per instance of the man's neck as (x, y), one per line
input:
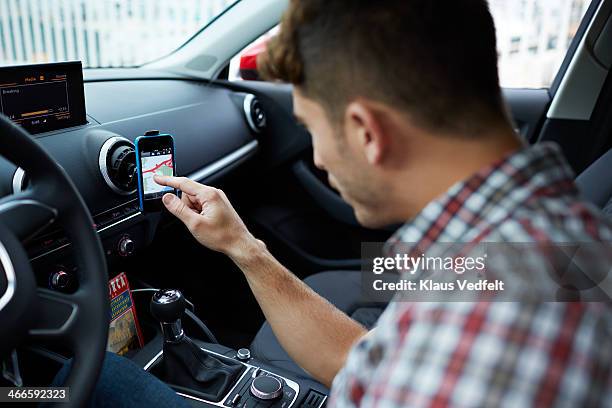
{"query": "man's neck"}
(449, 160)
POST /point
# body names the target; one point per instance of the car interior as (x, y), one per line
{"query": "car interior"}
(70, 216)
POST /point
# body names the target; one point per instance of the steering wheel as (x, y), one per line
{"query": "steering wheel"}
(30, 314)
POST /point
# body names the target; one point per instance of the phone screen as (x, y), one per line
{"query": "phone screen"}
(156, 155)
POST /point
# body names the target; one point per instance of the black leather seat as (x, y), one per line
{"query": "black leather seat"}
(595, 183)
(342, 288)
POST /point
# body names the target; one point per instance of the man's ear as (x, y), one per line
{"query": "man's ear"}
(365, 131)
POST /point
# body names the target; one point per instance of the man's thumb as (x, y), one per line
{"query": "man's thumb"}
(177, 207)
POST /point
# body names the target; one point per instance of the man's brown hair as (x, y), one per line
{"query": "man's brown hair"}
(434, 59)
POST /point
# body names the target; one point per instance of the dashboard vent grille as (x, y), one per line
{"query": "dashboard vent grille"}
(255, 115)
(313, 399)
(117, 163)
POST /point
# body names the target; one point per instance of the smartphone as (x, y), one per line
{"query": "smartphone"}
(154, 155)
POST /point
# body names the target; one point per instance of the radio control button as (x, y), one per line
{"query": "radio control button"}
(61, 281)
(126, 246)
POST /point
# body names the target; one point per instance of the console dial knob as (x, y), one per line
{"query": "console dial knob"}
(126, 246)
(60, 280)
(266, 388)
(243, 354)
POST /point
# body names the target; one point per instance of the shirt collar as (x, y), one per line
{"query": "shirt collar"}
(476, 204)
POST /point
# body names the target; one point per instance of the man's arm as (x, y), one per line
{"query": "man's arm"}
(312, 331)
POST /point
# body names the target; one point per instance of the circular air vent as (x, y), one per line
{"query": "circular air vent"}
(255, 115)
(117, 163)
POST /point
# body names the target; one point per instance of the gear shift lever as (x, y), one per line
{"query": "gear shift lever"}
(167, 306)
(186, 366)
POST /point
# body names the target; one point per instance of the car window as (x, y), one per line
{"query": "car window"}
(533, 37)
(100, 33)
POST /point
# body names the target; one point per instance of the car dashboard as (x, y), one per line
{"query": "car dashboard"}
(215, 130)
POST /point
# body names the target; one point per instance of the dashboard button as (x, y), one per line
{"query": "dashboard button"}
(126, 246)
(61, 281)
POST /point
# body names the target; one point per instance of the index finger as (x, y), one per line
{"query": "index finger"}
(182, 183)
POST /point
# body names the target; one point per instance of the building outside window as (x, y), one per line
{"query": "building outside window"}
(533, 35)
(100, 33)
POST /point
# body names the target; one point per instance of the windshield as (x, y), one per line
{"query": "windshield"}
(100, 33)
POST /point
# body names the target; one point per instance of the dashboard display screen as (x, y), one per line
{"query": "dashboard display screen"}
(43, 97)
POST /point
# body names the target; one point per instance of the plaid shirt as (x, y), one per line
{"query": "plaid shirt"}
(491, 354)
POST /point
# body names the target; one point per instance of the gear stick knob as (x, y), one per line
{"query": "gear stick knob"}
(167, 306)
(185, 364)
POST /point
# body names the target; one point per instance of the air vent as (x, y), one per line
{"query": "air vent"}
(313, 399)
(117, 163)
(255, 115)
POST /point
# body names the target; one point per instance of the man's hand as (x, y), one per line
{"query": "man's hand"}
(316, 334)
(208, 215)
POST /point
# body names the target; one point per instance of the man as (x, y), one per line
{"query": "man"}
(403, 103)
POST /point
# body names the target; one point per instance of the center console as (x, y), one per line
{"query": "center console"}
(209, 374)
(256, 386)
